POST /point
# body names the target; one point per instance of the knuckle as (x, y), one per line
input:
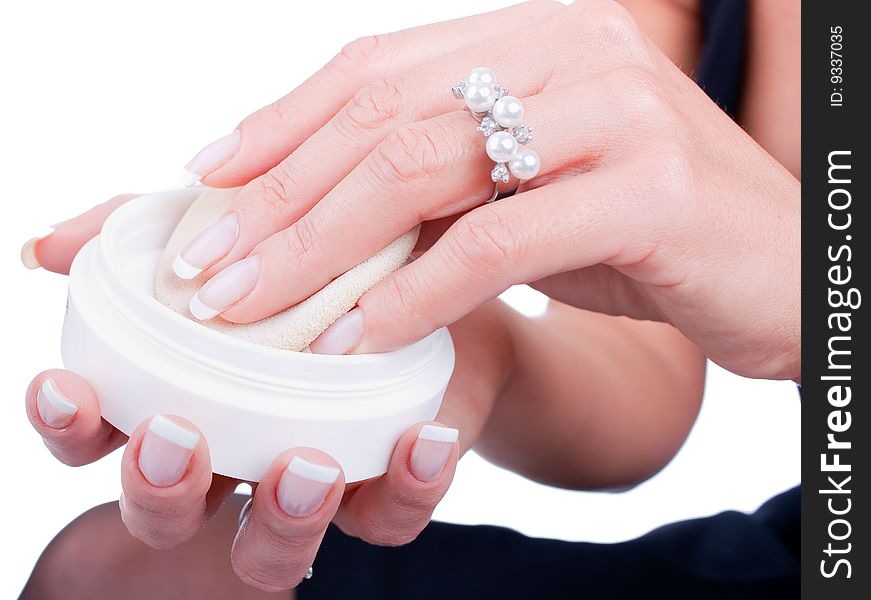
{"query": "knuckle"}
(262, 577)
(364, 57)
(614, 23)
(289, 537)
(380, 533)
(160, 530)
(641, 99)
(157, 542)
(614, 27)
(271, 189)
(417, 504)
(275, 113)
(376, 104)
(485, 242)
(366, 50)
(300, 239)
(672, 171)
(157, 538)
(410, 153)
(401, 297)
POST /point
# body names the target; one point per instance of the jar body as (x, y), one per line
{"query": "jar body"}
(250, 402)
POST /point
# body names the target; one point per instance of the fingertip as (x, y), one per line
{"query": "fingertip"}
(393, 509)
(55, 251)
(167, 451)
(302, 484)
(262, 144)
(392, 315)
(433, 452)
(213, 158)
(342, 337)
(187, 178)
(166, 475)
(56, 398)
(29, 256)
(55, 409)
(63, 409)
(293, 504)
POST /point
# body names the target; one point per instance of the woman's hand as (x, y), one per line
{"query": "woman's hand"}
(650, 203)
(169, 490)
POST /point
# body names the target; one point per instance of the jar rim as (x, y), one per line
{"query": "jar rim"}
(129, 225)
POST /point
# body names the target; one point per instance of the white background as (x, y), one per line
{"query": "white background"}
(105, 97)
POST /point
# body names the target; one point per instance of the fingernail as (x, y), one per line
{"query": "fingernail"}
(211, 157)
(166, 451)
(431, 451)
(28, 254)
(226, 288)
(54, 408)
(342, 336)
(211, 245)
(304, 486)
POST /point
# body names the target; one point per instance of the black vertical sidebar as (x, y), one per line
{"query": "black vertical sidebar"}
(836, 226)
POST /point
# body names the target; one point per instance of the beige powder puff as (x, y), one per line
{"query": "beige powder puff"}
(296, 327)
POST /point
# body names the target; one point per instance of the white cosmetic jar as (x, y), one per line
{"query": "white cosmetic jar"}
(251, 402)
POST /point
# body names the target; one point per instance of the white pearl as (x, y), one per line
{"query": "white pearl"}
(525, 164)
(508, 111)
(501, 146)
(480, 97)
(481, 75)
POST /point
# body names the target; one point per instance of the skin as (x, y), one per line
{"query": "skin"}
(656, 214)
(503, 359)
(514, 359)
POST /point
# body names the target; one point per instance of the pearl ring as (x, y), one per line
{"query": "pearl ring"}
(501, 121)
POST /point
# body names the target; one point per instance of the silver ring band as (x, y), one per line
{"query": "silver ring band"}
(246, 508)
(500, 119)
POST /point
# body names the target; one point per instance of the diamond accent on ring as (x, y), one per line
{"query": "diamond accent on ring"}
(500, 173)
(489, 126)
(523, 134)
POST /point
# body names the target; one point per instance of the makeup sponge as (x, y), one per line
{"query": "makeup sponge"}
(296, 327)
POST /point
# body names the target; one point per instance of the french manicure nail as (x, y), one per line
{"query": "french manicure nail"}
(342, 336)
(304, 486)
(226, 288)
(28, 250)
(54, 408)
(211, 245)
(28, 254)
(431, 451)
(211, 157)
(166, 451)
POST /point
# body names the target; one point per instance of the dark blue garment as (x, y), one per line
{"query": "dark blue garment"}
(730, 555)
(721, 66)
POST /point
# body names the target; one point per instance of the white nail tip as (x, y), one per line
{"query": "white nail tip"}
(200, 310)
(321, 474)
(435, 433)
(55, 399)
(184, 269)
(188, 178)
(28, 254)
(171, 432)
